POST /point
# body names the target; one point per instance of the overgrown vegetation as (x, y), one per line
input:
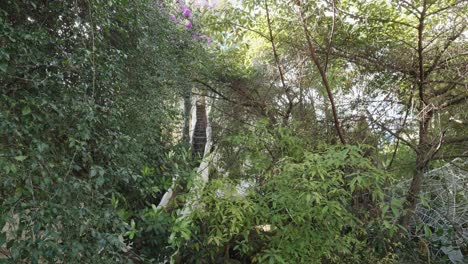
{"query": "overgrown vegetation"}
(305, 206)
(322, 119)
(88, 112)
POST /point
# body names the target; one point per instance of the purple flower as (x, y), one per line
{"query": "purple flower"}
(201, 38)
(173, 18)
(186, 12)
(188, 25)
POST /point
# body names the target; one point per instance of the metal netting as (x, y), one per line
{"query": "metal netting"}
(443, 210)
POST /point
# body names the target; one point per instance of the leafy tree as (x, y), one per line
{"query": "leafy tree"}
(430, 34)
(88, 110)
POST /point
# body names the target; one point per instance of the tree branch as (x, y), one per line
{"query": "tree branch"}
(444, 8)
(396, 135)
(455, 140)
(453, 101)
(214, 90)
(414, 10)
(444, 49)
(330, 39)
(408, 108)
(323, 74)
(278, 65)
(377, 19)
(449, 157)
(364, 60)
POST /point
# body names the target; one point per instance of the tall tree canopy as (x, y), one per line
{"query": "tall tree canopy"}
(253, 131)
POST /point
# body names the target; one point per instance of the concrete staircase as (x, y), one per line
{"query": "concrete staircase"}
(199, 134)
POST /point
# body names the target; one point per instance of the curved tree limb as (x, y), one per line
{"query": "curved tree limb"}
(323, 74)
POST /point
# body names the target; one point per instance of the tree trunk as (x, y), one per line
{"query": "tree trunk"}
(423, 153)
(187, 115)
(323, 74)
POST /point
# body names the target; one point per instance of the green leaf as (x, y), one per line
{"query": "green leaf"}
(100, 181)
(3, 67)
(385, 209)
(26, 110)
(2, 239)
(324, 209)
(427, 231)
(21, 158)
(396, 205)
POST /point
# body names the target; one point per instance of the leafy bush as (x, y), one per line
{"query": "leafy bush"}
(84, 136)
(301, 206)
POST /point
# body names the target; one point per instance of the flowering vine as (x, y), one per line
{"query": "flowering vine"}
(184, 17)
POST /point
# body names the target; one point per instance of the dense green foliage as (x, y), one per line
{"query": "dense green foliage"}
(305, 206)
(325, 117)
(88, 104)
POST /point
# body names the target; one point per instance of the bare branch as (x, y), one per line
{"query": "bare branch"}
(408, 108)
(421, 56)
(445, 8)
(454, 101)
(410, 8)
(248, 29)
(214, 90)
(444, 49)
(366, 60)
(278, 65)
(396, 135)
(313, 55)
(455, 140)
(449, 157)
(330, 39)
(451, 84)
(377, 19)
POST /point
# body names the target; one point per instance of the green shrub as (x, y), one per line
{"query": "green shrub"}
(301, 208)
(84, 134)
